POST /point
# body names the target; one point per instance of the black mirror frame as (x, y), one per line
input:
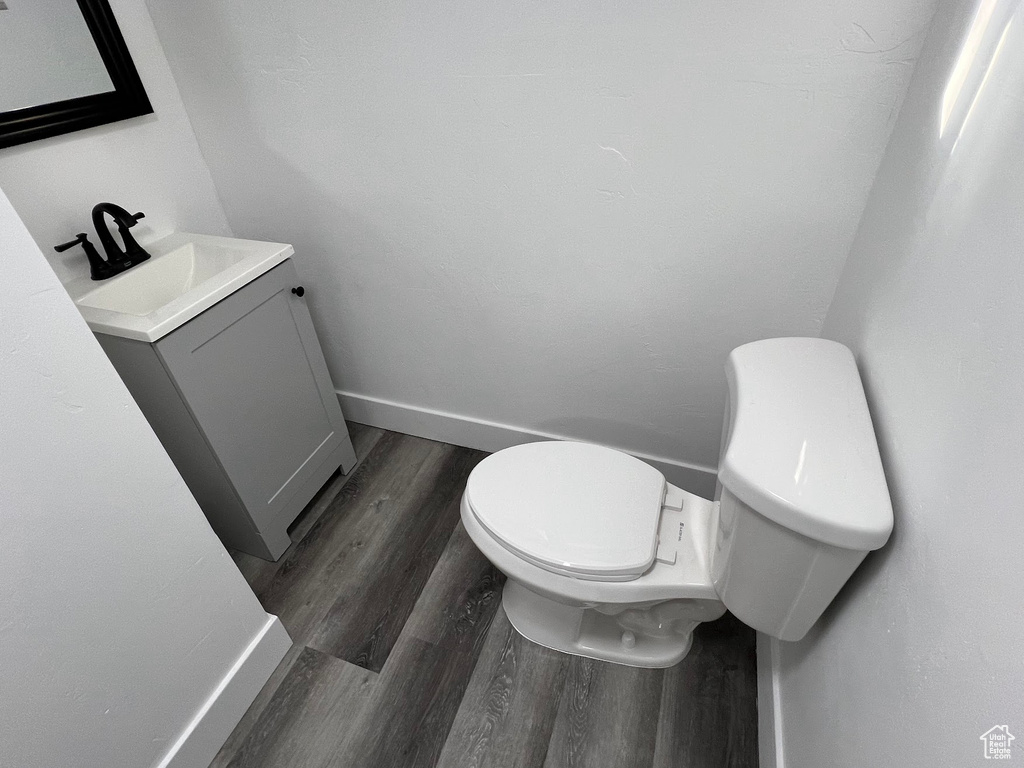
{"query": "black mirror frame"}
(128, 99)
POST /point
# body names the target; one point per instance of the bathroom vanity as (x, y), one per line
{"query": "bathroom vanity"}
(214, 341)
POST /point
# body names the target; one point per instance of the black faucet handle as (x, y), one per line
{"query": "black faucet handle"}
(98, 268)
(80, 239)
(137, 216)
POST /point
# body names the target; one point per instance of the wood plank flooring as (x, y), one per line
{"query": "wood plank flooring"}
(403, 656)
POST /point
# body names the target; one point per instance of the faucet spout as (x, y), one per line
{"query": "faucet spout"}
(133, 253)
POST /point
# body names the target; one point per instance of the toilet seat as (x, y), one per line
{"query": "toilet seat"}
(574, 509)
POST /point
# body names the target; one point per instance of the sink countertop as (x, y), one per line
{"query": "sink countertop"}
(186, 275)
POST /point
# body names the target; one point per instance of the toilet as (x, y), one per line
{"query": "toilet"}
(606, 559)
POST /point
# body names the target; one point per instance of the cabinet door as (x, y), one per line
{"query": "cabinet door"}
(251, 370)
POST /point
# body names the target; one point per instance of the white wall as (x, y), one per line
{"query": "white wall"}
(149, 164)
(922, 652)
(556, 216)
(121, 611)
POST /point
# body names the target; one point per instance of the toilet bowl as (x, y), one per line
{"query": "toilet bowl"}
(608, 560)
(646, 619)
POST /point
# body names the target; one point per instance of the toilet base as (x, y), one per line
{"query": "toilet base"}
(597, 632)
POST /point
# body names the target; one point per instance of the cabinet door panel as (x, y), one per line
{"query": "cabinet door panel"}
(251, 370)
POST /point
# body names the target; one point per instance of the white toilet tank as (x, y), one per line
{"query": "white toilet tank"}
(803, 495)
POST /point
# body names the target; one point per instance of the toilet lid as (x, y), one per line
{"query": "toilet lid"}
(574, 508)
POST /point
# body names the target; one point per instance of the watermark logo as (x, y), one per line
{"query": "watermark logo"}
(997, 741)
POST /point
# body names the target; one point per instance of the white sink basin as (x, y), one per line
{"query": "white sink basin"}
(187, 275)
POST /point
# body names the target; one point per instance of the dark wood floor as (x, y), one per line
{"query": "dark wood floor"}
(404, 657)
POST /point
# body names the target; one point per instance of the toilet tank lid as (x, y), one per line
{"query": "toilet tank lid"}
(802, 450)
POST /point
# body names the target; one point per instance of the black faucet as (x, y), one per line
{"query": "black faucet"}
(133, 253)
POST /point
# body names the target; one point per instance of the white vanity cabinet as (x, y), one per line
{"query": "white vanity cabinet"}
(241, 398)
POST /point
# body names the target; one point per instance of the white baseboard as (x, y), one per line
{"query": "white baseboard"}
(199, 743)
(492, 436)
(769, 709)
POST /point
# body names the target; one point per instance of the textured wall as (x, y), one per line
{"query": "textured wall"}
(550, 215)
(922, 653)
